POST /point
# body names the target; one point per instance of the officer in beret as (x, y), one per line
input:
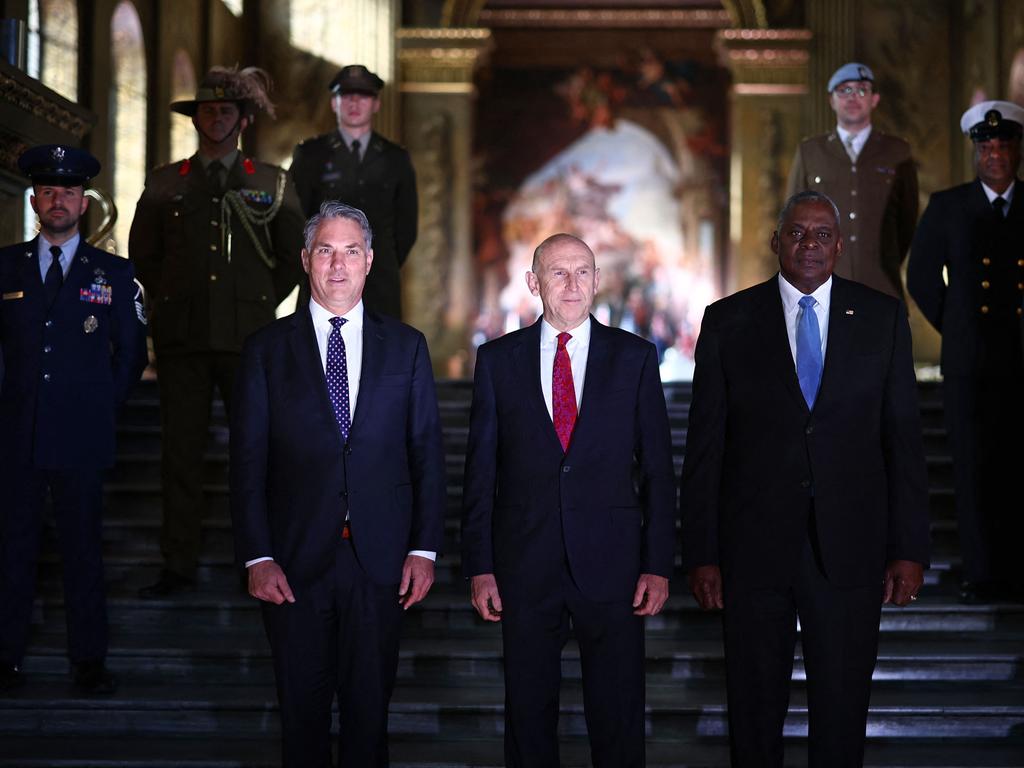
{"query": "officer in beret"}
(973, 233)
(357, 166)
(73, 340)
(870, 176)
(216, 241)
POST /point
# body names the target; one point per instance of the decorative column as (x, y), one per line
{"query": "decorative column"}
(436, 68)
(769, 70)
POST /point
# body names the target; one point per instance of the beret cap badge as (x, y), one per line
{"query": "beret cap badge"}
(58, 154)
(992, 117)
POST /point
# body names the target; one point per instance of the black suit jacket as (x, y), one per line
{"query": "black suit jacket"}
(606, 505)
(292, 477)
(756, 455)
(977, 313)
(66, 368)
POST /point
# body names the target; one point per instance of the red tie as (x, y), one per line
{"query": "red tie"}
(563, 393)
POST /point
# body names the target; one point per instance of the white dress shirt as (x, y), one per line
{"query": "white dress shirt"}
(578, 349)
(859, 139)
(67, 254)
(352, 335)
(991, 194)
(791, 311)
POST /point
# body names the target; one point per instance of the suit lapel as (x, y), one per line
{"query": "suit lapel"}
(307, 357)
(772, 339)
(840, 330)
(595, 381)
(372, 369)
(526, 360)
(835, 146)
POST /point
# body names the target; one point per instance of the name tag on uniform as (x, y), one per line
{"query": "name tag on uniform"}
(14, 295)
(96, 294)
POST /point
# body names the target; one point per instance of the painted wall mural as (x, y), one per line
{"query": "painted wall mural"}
(633, 160)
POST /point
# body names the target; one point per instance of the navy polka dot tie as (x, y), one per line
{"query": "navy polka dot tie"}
(337, 377)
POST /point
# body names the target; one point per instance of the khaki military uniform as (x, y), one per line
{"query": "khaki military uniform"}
(877, 201)
(215, 264)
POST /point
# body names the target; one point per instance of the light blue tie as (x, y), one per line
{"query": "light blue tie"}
(808, 350)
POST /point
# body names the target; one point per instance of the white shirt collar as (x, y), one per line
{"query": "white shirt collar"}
(991, 194)
(859, 139)
(322, 316)
(791, 296)
(580, 334)
(68, 249)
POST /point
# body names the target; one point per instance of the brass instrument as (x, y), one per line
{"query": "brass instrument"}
(109, 209)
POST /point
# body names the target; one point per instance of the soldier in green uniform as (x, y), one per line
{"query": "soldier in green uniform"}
(357, 166)
(215, 241)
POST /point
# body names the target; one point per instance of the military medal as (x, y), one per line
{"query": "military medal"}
(90, 324)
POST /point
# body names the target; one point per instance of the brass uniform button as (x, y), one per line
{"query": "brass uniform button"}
(213, 278)
(985, 284)
(986, 261)
(984, 309)
(1020, 262)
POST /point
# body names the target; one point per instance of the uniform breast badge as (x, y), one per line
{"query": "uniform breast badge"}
(90, 324)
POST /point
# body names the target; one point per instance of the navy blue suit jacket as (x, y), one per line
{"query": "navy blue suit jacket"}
(756, 456)
(66, 369)
(293, 478)
(606, 505)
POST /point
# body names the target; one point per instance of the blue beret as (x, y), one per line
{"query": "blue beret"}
(59, 165)
(850, 72)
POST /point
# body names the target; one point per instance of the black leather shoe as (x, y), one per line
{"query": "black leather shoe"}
(10, 678)
(92, 678)
(169, 583)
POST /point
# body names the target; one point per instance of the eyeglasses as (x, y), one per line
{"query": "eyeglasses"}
(847, 91)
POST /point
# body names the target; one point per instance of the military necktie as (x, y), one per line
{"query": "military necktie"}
(808, 350)
(54, 277)
(356, 151)
(337, 377)
(999, 204)
(850, 149)
(216, 171)
(563, 393)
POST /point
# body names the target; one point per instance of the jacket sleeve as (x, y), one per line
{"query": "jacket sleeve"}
(480, 481)
(909, 536)
(301, 172)
(145, 240)
(406, 209)
(705, 448)
(287, 234)
(426, 457)
(128, 336)
(797, 174)
(907, 194)
(927, 259)
(657, 474)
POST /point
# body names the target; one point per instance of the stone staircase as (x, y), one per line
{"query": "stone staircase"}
(197, 685)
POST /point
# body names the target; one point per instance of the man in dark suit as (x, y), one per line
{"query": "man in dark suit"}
(215, 240)
(869, 175)
(966, 273)
(804, 490)
(337, 495)
(569, 512)
(358, 166)
(73, 339)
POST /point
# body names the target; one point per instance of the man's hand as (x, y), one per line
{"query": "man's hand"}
(651, 594)
(903, 580)
(417, 578)
(267, 582)
(485, 597)
(706, 585)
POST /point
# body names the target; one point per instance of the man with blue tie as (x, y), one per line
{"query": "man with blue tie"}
(73, 339)
(569, 510)
(804, 490)
(337, 495)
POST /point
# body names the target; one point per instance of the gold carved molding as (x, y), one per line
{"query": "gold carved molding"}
(441, 60)
(41, 105)
(613, 18)
(766, 61)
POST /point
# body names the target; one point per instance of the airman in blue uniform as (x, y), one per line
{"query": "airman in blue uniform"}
(73, 340)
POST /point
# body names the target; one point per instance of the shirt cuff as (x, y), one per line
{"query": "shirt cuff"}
(431, 556)
(250, 563)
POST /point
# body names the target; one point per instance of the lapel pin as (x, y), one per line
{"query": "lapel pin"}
(849, 311)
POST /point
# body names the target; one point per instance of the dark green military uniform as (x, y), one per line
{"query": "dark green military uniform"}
(382, 185)
(215, 265)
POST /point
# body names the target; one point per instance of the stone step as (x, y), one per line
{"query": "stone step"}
(182, 751)
(694, 709)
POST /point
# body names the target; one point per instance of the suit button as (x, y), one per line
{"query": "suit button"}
(984, 309)
(1020, 311)
(985, 284)
(986, 261)
(809, 430)
(853, 192)
(853, 238)
(1020, 262)
(1020, 286)
(817, 179)
(566, 468)
(805, 483)
(348, 450)
(213, 278)
(344, 494)
(216, 199)
(47, 349)
(853, 214)
(48, 323)
(213, 246)
(46, 377)
(214, 222)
